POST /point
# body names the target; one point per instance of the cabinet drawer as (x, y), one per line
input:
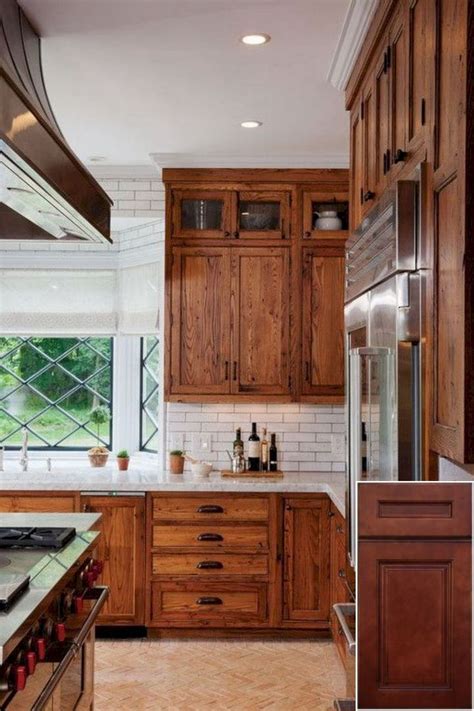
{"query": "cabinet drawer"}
(210, 508)
(338, 637)
(47, 503)
(209, 604)
(210, 536)
(428, 510)
(203, 565)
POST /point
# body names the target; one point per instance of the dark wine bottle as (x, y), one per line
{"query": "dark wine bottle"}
(363, 449)
(254, 450)
(238, 447)
(264, 450)
(273, 454)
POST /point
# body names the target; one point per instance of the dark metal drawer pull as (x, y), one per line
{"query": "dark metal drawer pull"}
(209, 601)
(210, 537)
(210, 565)
(210, 508)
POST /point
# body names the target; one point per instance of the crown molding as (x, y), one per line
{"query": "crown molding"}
(354, 30)
(238, 160)
(122, 172)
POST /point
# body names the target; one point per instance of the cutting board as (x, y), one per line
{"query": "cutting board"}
(253, 475)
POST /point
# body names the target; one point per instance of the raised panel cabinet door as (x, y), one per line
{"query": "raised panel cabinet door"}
(382, 118)
(121, 548)
(306, 559)
(200, 321)
(369, 146)
(398, 69)
(201, 214)
(420, 69)
(261, 321)
(323, 321)
(414, 624)
(357, 165)
(262, 215)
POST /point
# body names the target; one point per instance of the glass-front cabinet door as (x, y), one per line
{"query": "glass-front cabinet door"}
(202, 214)
(325, 215)
(262, 215)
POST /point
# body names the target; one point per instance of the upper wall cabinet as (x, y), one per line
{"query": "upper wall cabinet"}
(415, 64)
(241, 307)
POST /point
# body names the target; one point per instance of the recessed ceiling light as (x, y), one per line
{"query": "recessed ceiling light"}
(251, 124)
(255, 39)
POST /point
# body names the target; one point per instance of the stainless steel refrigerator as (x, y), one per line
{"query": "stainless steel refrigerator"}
(383, 344)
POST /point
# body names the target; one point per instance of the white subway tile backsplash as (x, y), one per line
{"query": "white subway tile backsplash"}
(304, 439)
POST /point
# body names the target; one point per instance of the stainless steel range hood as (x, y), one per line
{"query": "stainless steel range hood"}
(45, 191)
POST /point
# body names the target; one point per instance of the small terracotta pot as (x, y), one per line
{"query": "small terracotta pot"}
(98, 460)
(176, 464)
(122, 463)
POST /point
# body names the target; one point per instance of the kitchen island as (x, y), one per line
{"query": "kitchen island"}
(49, 605)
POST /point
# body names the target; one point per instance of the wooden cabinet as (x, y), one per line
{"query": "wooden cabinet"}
(199, 345)
(357, 164)
(420, 54)
(414, 596)
(234, 244)
(122, 549)
(323, 322)
(39, 502)
(306, 559)
(399, 99)
(260, 333)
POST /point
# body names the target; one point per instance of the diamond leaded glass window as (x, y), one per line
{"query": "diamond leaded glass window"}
(50, 386)
(149, 394)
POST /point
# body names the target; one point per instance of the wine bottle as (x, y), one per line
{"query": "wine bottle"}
(238, 447)
(254, 450)
(264, 450)
(273, 454)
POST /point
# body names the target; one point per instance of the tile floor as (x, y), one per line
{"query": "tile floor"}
(195, 675)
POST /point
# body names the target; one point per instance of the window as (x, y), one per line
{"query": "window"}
(149, 394)
(50, 386)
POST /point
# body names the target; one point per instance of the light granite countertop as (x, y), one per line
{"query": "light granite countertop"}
(141, 478)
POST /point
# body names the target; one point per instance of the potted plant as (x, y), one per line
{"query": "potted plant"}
(99, 455)
(123, 460)
(176, 461)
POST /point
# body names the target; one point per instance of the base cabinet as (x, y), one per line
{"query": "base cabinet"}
(121, 548)
(39, 502)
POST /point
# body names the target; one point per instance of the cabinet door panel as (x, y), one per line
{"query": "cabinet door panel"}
(200, 328)
(420, 33)
(414, 631)
(399, 90)
(323, 321)
(357, 169)
(260, 321)
(306, 562)
(369, 152)
(39, 503)
(202, 214)
(382, 122)
(121, 548)
(263, 215)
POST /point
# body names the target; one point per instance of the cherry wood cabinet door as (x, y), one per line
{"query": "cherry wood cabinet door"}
(306, 559)
(201, 214)
(260, 321)
(200, 321)
(420, 51)
(121, 547)
(382, 119)
(414, 624)
(369, 145)
(323, 321)
(357, 165)
(398, 69)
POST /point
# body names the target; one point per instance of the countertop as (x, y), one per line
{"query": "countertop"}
(142, 478)
(79, 521)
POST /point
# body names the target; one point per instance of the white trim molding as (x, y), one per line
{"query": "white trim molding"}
(354, 30)
(239, 160)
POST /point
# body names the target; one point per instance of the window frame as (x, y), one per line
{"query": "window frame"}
(142, 404)
(52, 406)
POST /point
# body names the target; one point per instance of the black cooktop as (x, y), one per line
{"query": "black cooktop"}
(35, 537)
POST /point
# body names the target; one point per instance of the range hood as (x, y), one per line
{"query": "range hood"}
(45, 191)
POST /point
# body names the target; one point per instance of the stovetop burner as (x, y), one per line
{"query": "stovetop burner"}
(35, 537)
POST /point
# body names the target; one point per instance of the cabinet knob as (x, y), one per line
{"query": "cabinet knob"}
(85, 508)
(307, 234)
(369, 195)
(400, 156)
(341, 573)
(339, 529)
(227, 233)
(235, 235)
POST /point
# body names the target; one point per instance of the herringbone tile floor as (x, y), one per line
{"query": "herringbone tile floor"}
(196, 675)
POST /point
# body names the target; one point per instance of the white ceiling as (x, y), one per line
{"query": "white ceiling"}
(128, 78)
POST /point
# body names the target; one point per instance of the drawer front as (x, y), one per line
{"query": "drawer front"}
(428, 510)
(205, 566)
(39, 504)
(210, 508)
(208, 604)
(210, 536)
(338, 637)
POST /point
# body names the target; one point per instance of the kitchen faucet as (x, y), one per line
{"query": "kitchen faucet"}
(24, 451)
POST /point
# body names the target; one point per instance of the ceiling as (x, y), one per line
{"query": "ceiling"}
(129, 78)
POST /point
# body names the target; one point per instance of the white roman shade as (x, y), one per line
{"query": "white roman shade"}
(63, 302)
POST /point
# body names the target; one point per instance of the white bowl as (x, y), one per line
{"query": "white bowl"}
(201, 469)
